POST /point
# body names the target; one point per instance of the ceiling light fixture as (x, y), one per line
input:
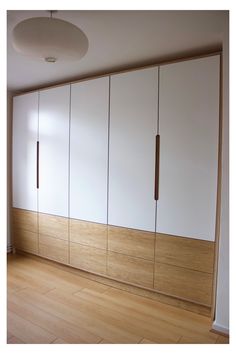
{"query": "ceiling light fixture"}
(50, 39)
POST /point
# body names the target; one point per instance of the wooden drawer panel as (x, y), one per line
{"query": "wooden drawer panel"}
(55, 226)
(184, 283)
(88, 258)
(185, 252)
(53, 248)
(24, 220)
(88, 234)
(131, 242)
(129, 269)
(26, 241)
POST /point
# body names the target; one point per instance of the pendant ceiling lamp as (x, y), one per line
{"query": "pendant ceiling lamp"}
(50, 39)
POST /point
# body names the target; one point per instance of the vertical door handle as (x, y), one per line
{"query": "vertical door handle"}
(37, 166)
(157, 168)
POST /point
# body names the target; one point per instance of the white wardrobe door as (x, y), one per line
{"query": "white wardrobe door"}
(25, 132)
(133, 127)
(89, 150)
(54, 150)
(189, 120)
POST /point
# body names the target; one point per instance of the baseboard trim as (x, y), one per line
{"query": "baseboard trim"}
(218, 329)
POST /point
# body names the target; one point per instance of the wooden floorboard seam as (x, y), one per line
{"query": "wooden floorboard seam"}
(104, 313)
(44, 329)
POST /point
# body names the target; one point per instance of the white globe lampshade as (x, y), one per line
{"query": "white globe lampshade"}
(51, 39)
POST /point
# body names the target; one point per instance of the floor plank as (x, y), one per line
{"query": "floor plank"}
(49, 304)
(222, 340)
(110, 326)
(182, 322)
(154, 329)
(197, 339)
(14, 340)
(56, 325)
(104, 341)
(9, 334)
(26, 331)
(146, 341)
(59, 341)
(22, 281)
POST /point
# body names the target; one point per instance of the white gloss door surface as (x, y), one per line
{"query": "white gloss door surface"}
(25, 131)
(189, 124)
(54, 150)
(89, 150)
(133, 127)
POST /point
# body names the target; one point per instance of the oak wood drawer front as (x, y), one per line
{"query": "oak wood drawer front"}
(24, 220)
(185, 252)
(53, 248)
(184, 283)
(88, 233)
(131, 242)
(130, 269)
(55, 226)
(26, 241)
(88, 258)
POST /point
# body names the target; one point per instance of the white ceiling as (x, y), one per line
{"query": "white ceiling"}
(117, 40)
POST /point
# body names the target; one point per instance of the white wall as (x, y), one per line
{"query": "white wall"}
(221, 322)
(9, 168)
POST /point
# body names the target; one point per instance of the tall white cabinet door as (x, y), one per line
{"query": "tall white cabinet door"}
(25, 132)
(189, 124)
(133, 127)
(54, 150)
(89, 150)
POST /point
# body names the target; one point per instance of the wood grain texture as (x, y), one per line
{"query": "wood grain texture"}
(163, 324)
(130, 269)
(54, 226)
(53, 248)
(59, 341)
(27, 331)
(103, 321)
(24, 220)
(131, 242)
(49, 320)
(146, 341)
(222, 340)
(70, 314)
(197, 340)
(88, 258)
(88, 233)
(184, 283)
(137, 290)
(130, 255)
(19, 280)
(104, 341)
(14, 340)
(26, 241)
(118, 308)
(185, 252)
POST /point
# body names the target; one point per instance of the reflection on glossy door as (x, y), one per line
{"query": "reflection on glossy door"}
(25, 132)
(54, 150)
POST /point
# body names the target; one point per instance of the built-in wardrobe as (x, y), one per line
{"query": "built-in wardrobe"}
(117, 176)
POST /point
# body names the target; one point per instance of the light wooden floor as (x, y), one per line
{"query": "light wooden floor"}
(51, 305)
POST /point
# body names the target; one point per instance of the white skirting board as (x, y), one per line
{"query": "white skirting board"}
(220, 328)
